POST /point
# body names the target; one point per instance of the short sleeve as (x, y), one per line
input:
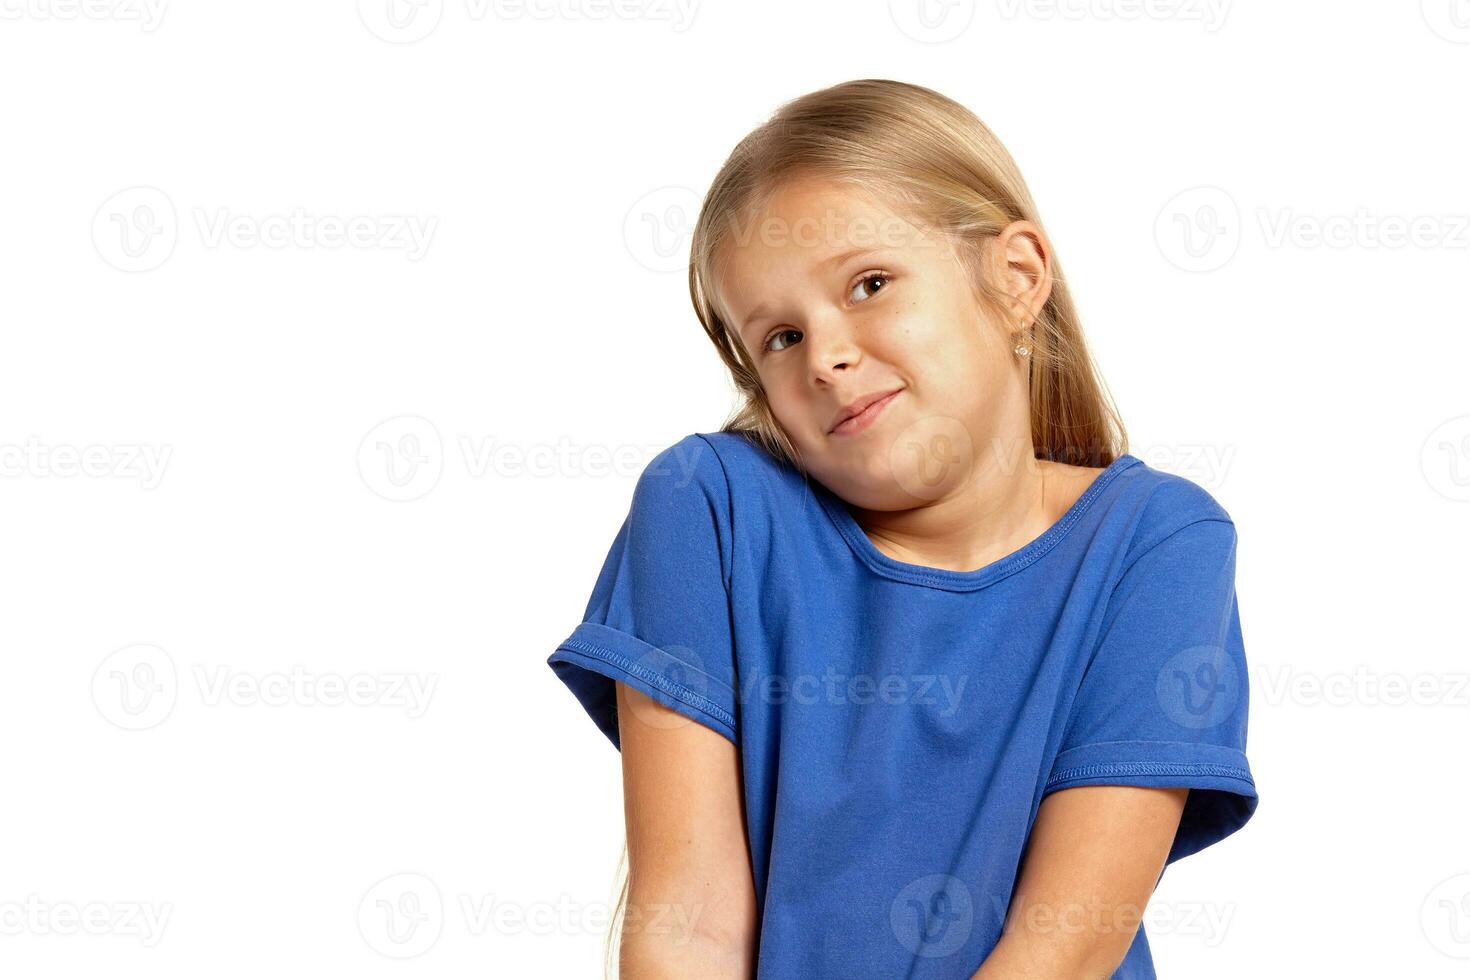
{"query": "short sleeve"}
(1164, 699)
(659, 617)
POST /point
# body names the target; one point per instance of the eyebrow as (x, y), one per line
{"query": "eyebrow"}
(832, 261)
(837, 260)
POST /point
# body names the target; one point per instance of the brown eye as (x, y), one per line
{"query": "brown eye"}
(868, 277)
(771, 339)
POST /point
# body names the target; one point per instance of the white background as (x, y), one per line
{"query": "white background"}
(1306, 370)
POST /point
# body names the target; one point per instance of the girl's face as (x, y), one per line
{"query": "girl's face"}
(838, 299)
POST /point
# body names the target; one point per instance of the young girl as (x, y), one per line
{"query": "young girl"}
(914, 670)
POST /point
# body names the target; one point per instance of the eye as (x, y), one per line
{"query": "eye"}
(767, 346)
(867, 277)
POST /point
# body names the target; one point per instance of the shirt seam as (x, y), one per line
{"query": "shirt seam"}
(726, 574)
(1146, 551)
(1022, 560)
(643, 672)
(1150, 769)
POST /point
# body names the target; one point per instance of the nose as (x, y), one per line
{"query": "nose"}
(831, 348)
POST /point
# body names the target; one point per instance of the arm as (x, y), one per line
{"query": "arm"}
(1094, 857)
(691, 892)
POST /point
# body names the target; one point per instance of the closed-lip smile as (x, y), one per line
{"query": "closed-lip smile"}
(856, 416)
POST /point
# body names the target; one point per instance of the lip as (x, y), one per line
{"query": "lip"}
(863, 419)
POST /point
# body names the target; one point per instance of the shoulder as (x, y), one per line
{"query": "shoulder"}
(719, 466)
(740, 482)
(712, 459)
(731, 460)
(1160, 504)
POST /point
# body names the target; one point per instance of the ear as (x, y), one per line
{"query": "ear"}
(1022, 265)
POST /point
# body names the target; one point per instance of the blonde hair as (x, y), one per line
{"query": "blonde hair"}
(944, 167)
(937, 161)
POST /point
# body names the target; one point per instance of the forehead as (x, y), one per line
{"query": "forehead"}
(804, 231)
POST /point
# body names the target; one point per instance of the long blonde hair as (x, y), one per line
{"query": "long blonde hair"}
(931, 154)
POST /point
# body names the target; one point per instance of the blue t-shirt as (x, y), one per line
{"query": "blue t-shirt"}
(898, 724)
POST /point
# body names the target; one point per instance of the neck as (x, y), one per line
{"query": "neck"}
(1001, 506)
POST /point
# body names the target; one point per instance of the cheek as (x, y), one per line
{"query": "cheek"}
(788, 404)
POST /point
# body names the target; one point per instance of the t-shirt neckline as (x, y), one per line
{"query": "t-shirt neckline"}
(945, 578)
